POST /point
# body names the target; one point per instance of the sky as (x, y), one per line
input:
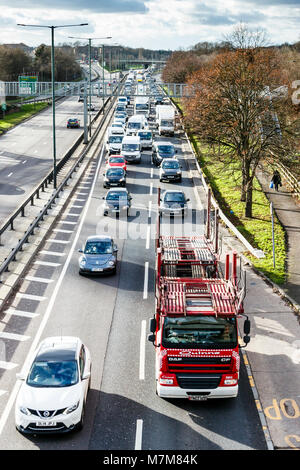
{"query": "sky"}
(150, 24)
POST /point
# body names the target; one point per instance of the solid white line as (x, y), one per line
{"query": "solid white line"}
(51, 253)
(151, 189)
(145, 294)
(39, 298)
(7, 365)
(47, 263)
(78, 199)
(151, 173)
(48, 312)
(150, 208)
(77, 206)
(142, 350)
(24, 161)
(71, 214)
(8, 176)
(39, 279)
(20, 313)
(138, 434)
(16, 337)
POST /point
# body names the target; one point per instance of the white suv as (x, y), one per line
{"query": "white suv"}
(53, 394)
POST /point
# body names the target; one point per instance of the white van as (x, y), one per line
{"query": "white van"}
(131, 148)
(165, 120)
(146, 138)
(122, 100)
(141, 105)
(136, 123)
(114, 144)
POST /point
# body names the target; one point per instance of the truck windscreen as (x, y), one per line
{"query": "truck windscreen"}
(197, 332)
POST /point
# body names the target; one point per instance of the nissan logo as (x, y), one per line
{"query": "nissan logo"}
(46, 414)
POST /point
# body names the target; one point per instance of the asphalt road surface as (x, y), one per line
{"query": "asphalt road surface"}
(111, 314)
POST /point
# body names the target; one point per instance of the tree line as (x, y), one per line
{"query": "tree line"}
(15, 62)
(242, 106)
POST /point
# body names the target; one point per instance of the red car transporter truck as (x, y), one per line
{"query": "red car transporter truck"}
(195, 326)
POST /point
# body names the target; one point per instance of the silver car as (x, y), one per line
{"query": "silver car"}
(98, 256)
(173, 203)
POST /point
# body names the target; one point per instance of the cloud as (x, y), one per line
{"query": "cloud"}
(96, 6)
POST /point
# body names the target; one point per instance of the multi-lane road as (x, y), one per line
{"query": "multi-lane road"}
(26, 151)
(111, 314)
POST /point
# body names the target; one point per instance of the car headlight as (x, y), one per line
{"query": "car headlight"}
(111, 263)
(82, 261)
(178, 172)
(70, 409)
(24, 410)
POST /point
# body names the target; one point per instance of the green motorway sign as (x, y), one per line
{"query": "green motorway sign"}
(27, 85)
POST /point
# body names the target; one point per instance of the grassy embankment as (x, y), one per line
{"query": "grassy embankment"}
(26, 111)
(224, 182)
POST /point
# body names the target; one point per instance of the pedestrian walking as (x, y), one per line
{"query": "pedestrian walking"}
(276, 179)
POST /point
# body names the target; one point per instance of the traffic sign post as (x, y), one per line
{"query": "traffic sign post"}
(27, 85)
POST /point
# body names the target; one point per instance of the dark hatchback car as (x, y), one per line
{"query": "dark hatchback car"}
(98, 256)
(118, 201)
(114, 177)
(162, 150)
(73, 123)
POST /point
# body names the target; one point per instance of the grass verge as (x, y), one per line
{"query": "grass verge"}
(224, 182)
(26, 111)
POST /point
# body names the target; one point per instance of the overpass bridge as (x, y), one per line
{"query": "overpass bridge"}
(98, 88)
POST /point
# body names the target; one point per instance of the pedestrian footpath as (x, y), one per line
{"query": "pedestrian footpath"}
(287, 209)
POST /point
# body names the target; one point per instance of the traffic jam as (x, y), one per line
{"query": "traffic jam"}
(194, 323)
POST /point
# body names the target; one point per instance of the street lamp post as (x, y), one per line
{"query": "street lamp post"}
(90, 71)
(53, 85)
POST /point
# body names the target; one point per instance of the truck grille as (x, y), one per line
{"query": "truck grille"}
(197, 381)
(199, 364)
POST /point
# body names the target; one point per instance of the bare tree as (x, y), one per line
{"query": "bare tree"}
(235, 111)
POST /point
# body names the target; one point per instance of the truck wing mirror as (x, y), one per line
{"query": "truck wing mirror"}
(151, 338)
(152, 325)
(247, 325)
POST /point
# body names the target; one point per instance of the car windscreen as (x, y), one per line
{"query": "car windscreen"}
(174, 197)
(130, 147)
(53, 374)
(166, 149)
(199, 332)
(115, 172)
(115, 139)
(102, 247)
(116, 160)
(134, 125)
(115, 196)
(145, 135)
(166, 122)
(169, 164)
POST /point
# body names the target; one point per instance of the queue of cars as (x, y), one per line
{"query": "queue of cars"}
(54, 389)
